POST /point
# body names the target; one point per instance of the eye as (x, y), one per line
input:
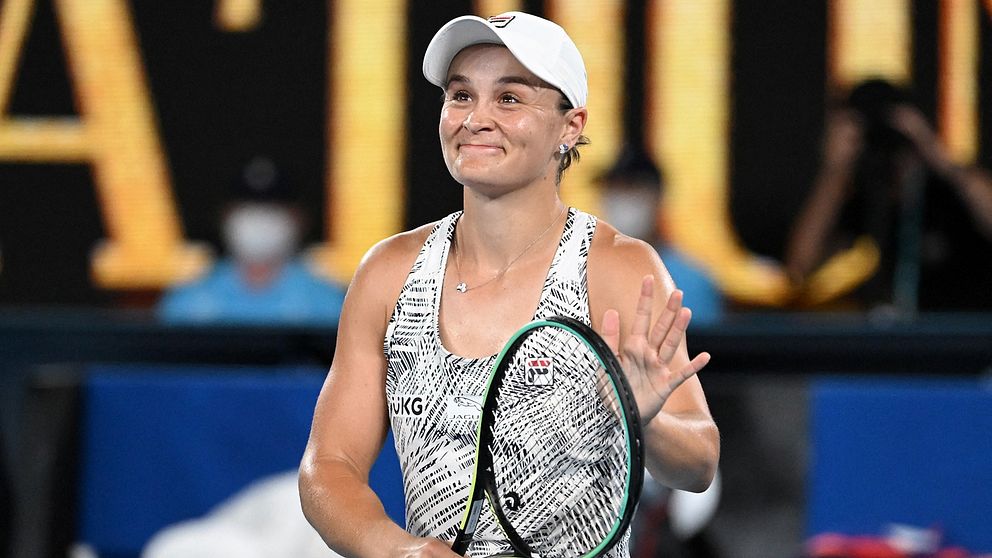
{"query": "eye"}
(508, 98)
(460, 95)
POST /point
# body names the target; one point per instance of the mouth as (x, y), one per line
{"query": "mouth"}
(478, 147)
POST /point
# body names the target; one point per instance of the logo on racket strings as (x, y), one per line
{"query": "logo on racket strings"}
(539, 371)
(511, 502)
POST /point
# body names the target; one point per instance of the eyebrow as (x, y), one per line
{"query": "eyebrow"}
(529, 82)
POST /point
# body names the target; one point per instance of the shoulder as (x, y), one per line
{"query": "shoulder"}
(614, 254)
(191, 300)
(303, 275)
(382, 272)
(220, 276)
(395, 255)
(617, 265)
(372, 294)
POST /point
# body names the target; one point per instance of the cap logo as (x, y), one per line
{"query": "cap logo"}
(500, 22)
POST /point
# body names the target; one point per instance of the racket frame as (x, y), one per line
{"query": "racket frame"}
(483, 486)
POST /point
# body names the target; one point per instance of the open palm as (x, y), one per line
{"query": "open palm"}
(651, 355)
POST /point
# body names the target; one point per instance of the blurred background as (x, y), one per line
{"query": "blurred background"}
(158, 353)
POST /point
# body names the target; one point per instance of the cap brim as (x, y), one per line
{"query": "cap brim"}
(458, 34)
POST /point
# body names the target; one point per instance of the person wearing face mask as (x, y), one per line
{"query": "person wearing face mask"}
(632, 194)
(261, 280)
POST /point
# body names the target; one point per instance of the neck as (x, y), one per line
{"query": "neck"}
(477, 275)
(490, 236)
(491, 231)
(258, 276)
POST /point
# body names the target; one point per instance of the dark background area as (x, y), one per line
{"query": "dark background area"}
(222, 97)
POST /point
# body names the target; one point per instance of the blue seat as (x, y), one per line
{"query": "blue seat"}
(909, 451)
(161, 444)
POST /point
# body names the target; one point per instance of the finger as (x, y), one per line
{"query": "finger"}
(611, 330)
(691, 369)
(674, 334)
(668, 316)
(642, 317)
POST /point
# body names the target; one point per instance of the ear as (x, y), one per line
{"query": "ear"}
(575, 123)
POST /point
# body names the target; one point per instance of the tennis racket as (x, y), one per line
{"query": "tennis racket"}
(560, 454)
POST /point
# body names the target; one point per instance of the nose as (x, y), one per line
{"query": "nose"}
(477, 121)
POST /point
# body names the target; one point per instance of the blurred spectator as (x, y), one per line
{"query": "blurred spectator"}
(898, 541)
(673, 523)
(886, 178)
(264, 520)
(632, 196)
(262, 280)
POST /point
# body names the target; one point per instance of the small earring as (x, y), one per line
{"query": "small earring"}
(563, 148)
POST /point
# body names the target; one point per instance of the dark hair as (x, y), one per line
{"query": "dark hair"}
(633, 165)
(874, 99)
(263, 180)
(573, 153)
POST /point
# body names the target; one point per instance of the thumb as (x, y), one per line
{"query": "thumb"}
(611, 330)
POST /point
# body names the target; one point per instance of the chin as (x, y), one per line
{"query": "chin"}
(485, 174)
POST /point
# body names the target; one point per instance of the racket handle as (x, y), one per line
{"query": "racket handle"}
(460, 546)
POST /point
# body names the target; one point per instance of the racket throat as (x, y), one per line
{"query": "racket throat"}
(465, 534)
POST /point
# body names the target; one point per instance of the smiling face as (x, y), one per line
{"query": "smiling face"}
(500, 124)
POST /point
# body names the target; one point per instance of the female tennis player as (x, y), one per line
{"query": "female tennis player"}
(429, 309)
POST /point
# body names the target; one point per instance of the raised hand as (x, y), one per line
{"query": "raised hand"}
(651, 354)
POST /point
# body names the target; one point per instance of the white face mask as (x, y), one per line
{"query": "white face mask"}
(260, 233)
(633, 212)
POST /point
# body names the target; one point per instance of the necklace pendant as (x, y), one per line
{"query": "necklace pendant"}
(461, 287)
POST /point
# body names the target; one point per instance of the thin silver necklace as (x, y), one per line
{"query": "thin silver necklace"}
(463, 288)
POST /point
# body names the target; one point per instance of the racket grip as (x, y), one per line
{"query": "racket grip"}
(460, 545)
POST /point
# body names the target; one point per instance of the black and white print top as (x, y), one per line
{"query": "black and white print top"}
(435, 396)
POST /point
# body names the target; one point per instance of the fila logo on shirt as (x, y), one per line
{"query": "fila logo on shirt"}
(539, 371)
(406, 406)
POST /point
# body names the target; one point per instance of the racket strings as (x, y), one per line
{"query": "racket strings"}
(559, 446)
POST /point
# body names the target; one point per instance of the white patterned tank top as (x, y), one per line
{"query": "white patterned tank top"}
(435, 396)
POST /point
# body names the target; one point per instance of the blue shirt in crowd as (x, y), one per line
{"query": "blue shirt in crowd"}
(702, 295)
(295, 297)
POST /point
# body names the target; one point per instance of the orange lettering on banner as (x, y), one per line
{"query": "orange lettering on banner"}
(115, 133)
(687, 114)
(958, 79)
(596, 26)
(366, 182)
(237, 15)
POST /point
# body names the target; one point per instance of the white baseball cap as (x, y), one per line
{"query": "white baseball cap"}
(542, 47)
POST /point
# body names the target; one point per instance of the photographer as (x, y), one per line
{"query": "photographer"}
(887, 181)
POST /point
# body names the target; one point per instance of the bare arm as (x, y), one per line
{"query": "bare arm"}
(975, 187)
(807, 243)
(644, 321)
(350, 423)
(972, 184)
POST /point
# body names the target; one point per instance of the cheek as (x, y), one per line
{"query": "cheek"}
(535, 134)
(447, 129)
(449, 123)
